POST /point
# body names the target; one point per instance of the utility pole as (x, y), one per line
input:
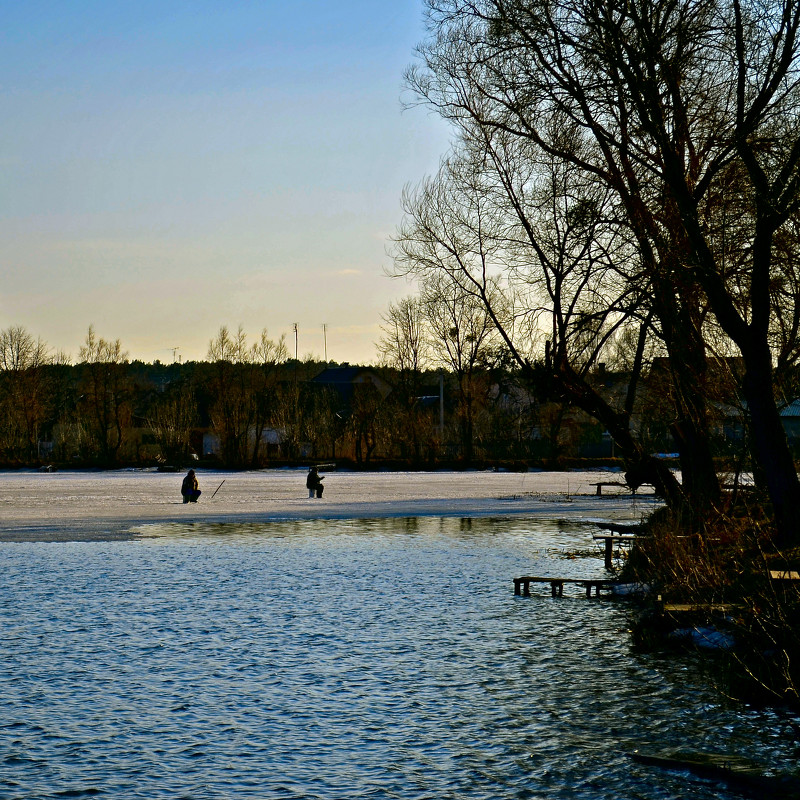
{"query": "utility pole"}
(325, 340)
(441, 404)
(296, 395)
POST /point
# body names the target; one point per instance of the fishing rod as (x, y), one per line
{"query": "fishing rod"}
(218, 488)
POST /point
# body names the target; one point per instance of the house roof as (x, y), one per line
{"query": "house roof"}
(345, 380)
(791, 409)
(339, 374)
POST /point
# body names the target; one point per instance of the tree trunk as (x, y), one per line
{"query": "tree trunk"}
(689, 370)
(641, 467)
(770, 447)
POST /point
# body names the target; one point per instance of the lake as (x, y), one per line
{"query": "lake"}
(382, 658)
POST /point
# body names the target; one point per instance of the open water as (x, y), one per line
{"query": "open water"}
(344, 659)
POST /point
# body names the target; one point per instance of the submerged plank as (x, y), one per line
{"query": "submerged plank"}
(732, 769)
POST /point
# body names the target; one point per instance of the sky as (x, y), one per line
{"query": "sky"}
(172, 167)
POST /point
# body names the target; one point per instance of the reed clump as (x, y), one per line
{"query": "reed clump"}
(727, 577)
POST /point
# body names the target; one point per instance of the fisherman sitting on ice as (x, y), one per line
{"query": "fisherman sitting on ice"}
(314, 483)
(189, 488)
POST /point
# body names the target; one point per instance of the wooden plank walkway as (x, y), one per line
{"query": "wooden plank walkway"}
(522, 586)
(601, 484)
(620, 527)
(784, 575)
(732, 768)
(621, 533)
(619, 484)
(610, 539)
(703, 608)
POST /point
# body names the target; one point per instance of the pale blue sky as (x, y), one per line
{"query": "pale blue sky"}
(170, 167)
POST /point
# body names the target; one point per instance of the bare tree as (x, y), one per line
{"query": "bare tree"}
(462, 335)
(405, 348)
(229, 410)
(670, 100)
(365, 425)
(173, 416)
(243, 385)
(266, 356)
(403, 344)
(534, 247)
(105, 400)
(24, 393)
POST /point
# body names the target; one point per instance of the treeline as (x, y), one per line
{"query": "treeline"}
(250, 406)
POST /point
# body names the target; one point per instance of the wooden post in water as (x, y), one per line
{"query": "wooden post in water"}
(609, 552)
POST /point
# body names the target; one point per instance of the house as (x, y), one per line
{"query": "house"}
(345, 379)
(790, 417)
(271, 441)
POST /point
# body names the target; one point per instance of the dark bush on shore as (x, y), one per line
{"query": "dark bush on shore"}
(730, 581)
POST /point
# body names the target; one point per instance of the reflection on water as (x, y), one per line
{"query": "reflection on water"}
(352, 658)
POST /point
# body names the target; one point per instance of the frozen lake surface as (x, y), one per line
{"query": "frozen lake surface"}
(286, 650)
(109, 504)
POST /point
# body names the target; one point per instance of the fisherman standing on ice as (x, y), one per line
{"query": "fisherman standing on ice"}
(189, 488)
(314, 483)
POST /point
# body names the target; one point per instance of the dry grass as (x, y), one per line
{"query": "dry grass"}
(728, 564)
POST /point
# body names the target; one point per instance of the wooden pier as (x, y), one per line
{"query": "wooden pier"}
(609, 540)
(785, 575)
(522, 586)
(619, 534)
(625, 487)
(698, 608)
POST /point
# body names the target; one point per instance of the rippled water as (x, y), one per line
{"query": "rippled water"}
(370, 659)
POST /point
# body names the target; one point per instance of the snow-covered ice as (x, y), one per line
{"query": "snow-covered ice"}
(107, 505)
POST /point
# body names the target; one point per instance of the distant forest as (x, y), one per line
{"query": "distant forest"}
(253, 407)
